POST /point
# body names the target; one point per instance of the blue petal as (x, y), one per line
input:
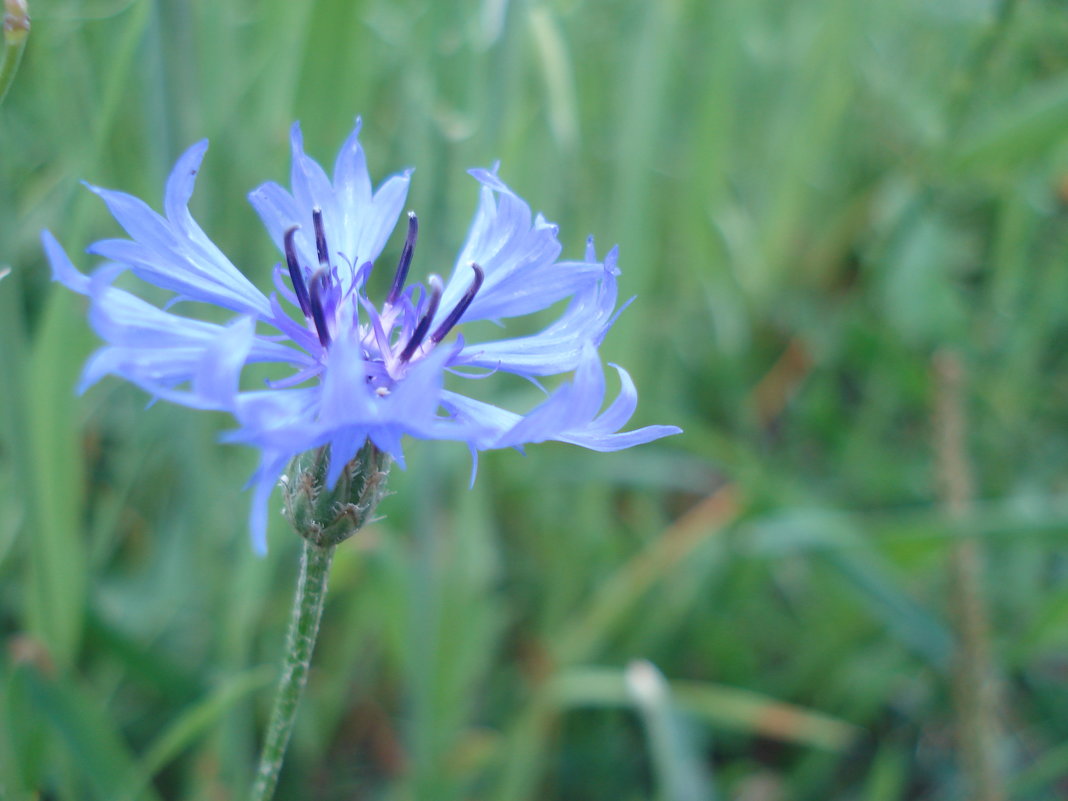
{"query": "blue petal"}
(560, 346)
(180, 184)
(570, 414)
(388, 440)
(152, 369)
(264, 482)
(174, 253)
(511, 250)
(218, 373)
(280, 421)
(212, 371)
(159, 351)
(62, 268)
(356, 221)
(600, 434)
(485, 423)
(348, 399)
(621, 441)
(310, 184)
(366, 220)
(381, 218)
(343, 448)
(279, 213)
(352, 181)
(122, 318)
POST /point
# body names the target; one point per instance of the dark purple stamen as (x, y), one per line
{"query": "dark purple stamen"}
(458, 311)
(320, 237)
(296, 274)
(405, 259)
(424, 323)
(318, 284)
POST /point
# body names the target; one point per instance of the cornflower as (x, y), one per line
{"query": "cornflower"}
(359, 376)
(359, 372)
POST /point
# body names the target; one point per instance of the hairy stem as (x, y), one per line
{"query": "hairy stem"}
(303, 629)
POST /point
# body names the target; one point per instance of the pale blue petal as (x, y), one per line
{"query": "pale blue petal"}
(264, 482)
(310, 184)
(352, 181)
(617, 442)
(279, 213)
(122, 318)
(62, 268)
(348, 399)
(343, 447)
(357, 222)
(622, 408)
(380, 222)
(560, 346)
(181, 181)
(388, 440)
(219, 371)
(174, 253)
(510, 249)
(570, 414)
(545, 422)
(281, 421)
(179, 189)
(139, 220)
(485, 422)
(152, 369)
(171, 273)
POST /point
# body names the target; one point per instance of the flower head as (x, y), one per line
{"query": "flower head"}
(357, 371)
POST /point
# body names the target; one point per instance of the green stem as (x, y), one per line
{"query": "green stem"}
(303, 628)
(16, 31)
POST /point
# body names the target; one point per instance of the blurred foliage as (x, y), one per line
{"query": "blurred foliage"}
(810, 198)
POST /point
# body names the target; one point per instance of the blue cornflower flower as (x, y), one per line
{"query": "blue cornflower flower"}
(359, 371)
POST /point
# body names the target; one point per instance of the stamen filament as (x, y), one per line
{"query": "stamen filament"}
(320, 237)
(405, 259)
(318, 282)
(424, 324)
(458, 310)
(296, 273)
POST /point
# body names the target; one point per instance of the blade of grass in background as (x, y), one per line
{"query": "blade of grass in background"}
(682, 774)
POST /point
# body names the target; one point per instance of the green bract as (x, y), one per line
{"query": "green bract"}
(327, 515)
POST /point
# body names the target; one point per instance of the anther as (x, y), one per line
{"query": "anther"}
(405, 259)
(318, 283)
(296, 274)
(458, 311)
(424, 324)
(320, 237)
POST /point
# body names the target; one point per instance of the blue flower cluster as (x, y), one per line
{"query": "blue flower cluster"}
(359, 371)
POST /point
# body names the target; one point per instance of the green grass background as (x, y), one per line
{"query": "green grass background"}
(810, 198)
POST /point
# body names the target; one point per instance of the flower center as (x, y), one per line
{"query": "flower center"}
(319, 298)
